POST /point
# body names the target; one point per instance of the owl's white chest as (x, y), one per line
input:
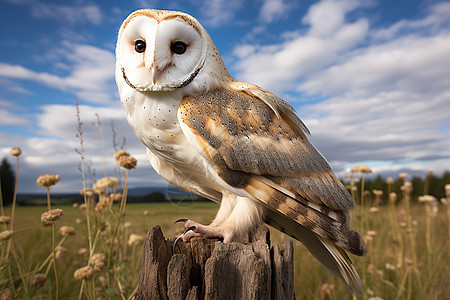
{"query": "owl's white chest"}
(154, 120)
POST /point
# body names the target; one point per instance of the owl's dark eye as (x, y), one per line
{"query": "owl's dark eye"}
(178, 47)
(139, 46)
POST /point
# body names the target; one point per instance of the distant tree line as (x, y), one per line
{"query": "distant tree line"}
(429, 185)
(7, 179)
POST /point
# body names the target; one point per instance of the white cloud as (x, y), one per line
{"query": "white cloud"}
(273, 10)
(217, 12)
(383, 92)
(90, 73)
(8, 118)
(77, 13)
(279, 67)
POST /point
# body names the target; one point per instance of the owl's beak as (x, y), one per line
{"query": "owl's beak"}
(154, 73)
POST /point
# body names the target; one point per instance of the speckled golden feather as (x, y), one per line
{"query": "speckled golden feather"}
(258, 144)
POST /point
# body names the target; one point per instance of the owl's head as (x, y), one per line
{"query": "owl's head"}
(161, 50)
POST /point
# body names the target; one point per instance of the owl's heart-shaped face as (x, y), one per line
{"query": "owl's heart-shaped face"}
(158, 52)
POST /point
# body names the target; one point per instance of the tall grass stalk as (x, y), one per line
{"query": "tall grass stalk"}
(99, 125)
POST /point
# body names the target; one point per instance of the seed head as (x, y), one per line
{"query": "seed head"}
(407, 187)
(59, 252)
(135, 239)
(87, 191)
(447, 190)
(120, 153)
(16, 151)
(37, 280)
(390, 180)
(127, 162)
(49, 217)
(377, 192)
(361, 169)
(427, 199)
(392, 197)
(83, 273)
(374, 209)
(6, 235)
(403, 175)
(115, 196)
(98, 261)
(67, 230)
(102, 184)
(47, 180)
(83, 251)
(5, 219)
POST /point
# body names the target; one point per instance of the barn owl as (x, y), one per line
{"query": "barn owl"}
(229, 141)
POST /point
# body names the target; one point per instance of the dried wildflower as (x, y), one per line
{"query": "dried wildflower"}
(377, 192)
(75, 205)
(390, 180)
(427, 199)
(326, 289)
(127, 224)
(47, 180)
(83, 251)
(83, 273)
(16, 151)
(374, 209)
(402, 225)
(115, 196)
(6, 235)
(361, 169)
(392, 197)
(98, 261)
(5, 219)
(403, 175)
(447, 190)
(135, 239)
(444, 201)
(127, 162)
(49, 217)
(37, 280)
(388, 266)
(120, 153)
(59, 252)
(103, 202)
(106, 182)
(371, 233)
(78, 220)
(67, 230)
(87, 191)
(407, 187)
(145, 212)
(82, 206)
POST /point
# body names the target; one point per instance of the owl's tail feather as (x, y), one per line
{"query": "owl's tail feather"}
(334, 258)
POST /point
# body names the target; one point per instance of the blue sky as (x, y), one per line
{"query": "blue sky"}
(369, 78)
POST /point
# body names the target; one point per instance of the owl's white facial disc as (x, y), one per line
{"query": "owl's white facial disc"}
(160, 55)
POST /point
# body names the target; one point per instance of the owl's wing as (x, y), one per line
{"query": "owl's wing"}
(257, 144)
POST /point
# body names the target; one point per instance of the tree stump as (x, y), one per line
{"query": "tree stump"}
(210, 269)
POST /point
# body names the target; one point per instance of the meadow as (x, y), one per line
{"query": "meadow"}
(93, 249)
(400, 263)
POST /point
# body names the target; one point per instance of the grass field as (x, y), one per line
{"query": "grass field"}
(404, 261)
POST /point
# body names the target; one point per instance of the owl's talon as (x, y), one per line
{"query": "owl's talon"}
(192, 228)
(180, 220)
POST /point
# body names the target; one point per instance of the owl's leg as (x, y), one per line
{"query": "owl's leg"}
(232, 221)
